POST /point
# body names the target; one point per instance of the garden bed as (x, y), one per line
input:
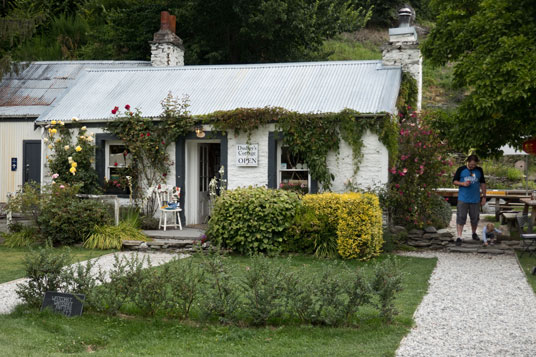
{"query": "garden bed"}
(42, 333)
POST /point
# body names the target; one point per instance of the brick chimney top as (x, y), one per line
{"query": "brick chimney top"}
(166, 47)
(166, 34)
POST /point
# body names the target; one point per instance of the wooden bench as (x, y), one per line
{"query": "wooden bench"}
(509, 219)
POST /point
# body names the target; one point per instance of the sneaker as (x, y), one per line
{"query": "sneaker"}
(475, 236)
(485, 244)
(458, 241)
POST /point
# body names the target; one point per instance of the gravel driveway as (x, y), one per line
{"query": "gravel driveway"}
(9, 299)
(477, 305)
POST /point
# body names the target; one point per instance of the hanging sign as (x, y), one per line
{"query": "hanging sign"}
(247, 155)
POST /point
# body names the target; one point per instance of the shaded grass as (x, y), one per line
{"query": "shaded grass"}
(343, 48)
(12, 260)
(528, 263)
(32, 333)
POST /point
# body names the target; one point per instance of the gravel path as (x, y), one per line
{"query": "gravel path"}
(476, 305)
(9, 299)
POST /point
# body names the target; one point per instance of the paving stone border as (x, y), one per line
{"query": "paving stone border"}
(430, 238)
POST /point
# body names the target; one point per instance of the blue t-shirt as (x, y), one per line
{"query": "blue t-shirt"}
(471, 193)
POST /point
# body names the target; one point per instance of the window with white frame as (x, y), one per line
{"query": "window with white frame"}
(293, 173)
(118, 159)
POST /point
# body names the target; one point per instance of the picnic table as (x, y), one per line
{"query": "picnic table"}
(528, 204)
(510, 198)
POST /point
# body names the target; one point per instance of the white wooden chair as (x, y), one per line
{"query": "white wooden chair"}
(168, 203)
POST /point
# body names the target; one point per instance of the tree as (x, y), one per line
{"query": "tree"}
(223, 31)
(492, 44)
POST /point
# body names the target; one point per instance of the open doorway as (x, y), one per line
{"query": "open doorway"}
(203, 163)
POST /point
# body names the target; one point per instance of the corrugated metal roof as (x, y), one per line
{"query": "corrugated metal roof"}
(30, 92)
(319, 87)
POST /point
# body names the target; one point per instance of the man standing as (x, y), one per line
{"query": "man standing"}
(470, 179)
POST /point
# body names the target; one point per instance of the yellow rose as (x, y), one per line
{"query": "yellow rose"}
(61, 123)
(82, 137)
(70, 159)
(74, 164)
(58, 140)
(78, 148)
(50, 146)
(74, 119)
(66, 147)
(72, 170)
(53, 131)
(53, 122)
(45, 140)
(83, 128)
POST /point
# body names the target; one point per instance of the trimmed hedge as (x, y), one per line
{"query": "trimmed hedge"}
(253, 219)
(250, 220)
(348, 224)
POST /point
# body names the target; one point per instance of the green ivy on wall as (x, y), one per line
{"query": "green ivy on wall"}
(311, 136)
(407, 98)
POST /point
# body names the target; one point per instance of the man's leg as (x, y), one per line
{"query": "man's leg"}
(474, 215)
(461, 217)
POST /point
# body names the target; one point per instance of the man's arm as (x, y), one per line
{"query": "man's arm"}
(483, 188)
(456, 180)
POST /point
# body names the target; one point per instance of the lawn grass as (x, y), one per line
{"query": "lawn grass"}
(528, 263)
(12, 260)
(31, 333)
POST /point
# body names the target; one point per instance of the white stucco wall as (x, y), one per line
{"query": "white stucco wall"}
(248, 176)
(373, 169)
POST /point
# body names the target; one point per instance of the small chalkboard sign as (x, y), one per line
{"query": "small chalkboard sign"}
(66, 304)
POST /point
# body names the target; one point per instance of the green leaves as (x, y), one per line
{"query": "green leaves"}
(492, 44)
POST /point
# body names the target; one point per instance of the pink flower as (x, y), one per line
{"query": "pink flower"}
(400, 193)
(397, 185)
(416, 159)
(393, 170)
(55, 176)
(127, 107)
(61, 186)
(141, 135)
(405, 170)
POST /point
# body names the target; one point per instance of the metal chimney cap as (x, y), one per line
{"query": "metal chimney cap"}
(404, 17)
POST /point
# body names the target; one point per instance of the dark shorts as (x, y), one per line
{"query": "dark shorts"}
(463, 208)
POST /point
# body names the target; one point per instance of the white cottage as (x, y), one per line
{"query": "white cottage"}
(368, 87)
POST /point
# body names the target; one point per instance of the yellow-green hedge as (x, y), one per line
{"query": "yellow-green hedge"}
(357, 219)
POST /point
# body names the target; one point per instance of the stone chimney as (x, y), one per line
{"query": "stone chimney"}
(403, 49)
(166, 48)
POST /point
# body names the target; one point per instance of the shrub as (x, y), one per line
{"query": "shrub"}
(43, 269)
(185, 278)
(359, 233)
(112, 237)
(59, 215)
(251, 220)
(23, 237)
(66, 219)
(386, 283)
(441, 212)
(329, 298)
(315, 225)
(347, 224)
(220, 294)
(261, 286)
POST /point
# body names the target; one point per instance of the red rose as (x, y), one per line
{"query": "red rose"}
(114, 111)
(141, 135)
(164, 174)
(127, 107)
(115, 164)
(148, 134)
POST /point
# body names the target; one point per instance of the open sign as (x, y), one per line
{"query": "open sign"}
(247, 154)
